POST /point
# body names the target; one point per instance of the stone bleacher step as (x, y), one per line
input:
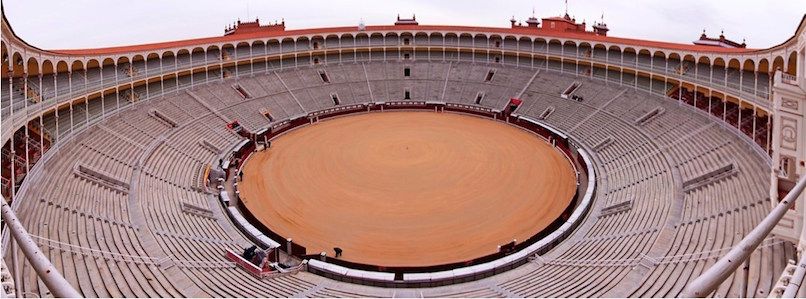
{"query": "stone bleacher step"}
(537, 259)
(526, 87)
(407, 293)
(648, 262)
(197, 210)
(617, 208)
(165, 263)
(312, 292)
(603, 144)
(198, 238)
(710, 177)
(243, 92)
(206, 105)
(162, 118)
(570, 89)
(649, 116)
(209, 146)
(85, 213)
(121, 136)
(101, 178)
(546, 113)
(289, 90)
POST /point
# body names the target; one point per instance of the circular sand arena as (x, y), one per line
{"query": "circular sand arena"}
(407, 188)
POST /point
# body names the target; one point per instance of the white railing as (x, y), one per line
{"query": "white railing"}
(663, 260)
(7, 281)
(45, 270)
(86, 251)
(795, 282)
(789, 79)
(708, 281)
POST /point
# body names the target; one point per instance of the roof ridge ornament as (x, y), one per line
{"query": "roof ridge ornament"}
(239, 26)
(720, 41)
(566, 8)
(404, 21)
(361, 25)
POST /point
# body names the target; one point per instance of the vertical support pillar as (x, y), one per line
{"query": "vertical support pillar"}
(562, 58)
(176, 72)
(25, 92)
(755, 117)
(70, 97)
(27, 149)
(739, 122)
(724, 108)
(41, 136)
(86, 98)
(162, 78)
(652, 69)
(103, 98)
(621, 70)
(607, 67)
(741, 81)
(56, 111)
(117, 91)
(41, 122)
(11, 97)
(725, 78)
(145, 60)
(192, 67)
(13, 157)
(11, 93)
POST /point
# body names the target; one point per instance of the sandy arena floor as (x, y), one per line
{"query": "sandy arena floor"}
(407, 188)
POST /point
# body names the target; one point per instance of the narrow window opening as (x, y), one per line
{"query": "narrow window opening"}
(242, 92)
(323, 75)
(267, 114)
(490, 75)
(479, 97)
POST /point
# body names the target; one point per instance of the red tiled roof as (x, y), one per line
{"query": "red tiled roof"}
(412, 28)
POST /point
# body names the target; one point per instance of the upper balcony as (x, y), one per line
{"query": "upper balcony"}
(58, 87)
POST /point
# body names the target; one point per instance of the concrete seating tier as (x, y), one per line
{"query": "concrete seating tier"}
(146, 243)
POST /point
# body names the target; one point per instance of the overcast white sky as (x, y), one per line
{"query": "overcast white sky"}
(65, 24)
